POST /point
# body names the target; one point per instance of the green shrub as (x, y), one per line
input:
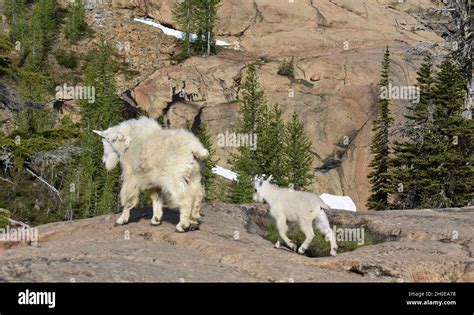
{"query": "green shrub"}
(33, 86)
(4, 214)
(287, 68)
(68, 60)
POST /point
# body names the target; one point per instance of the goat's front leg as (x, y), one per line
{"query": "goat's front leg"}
(125, 216)
(282, 230)
(157, 207)
(129, 197)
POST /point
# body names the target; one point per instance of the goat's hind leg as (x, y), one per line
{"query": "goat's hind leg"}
(185, 208)
(322, 224)
(155, 196)
(184, 222)
(198, 194)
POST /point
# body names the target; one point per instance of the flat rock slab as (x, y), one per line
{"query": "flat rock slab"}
(418, 245)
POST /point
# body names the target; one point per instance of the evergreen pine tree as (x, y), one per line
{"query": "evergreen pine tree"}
(5, 48)
(76, 23)
(97, 188)
(208, 177)
(207, 19)
(271, 147)
(32, 85)
(451, 164)
(253, 104)
(410, 171)
(298, 156)
(243, 189)
(253, 107)
(108, 197)
(15, 11)
(100, 74)
(41, 33)
(184, 15)
(252, 118)
(380, 146)
(197, 17)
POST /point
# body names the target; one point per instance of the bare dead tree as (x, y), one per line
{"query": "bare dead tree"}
(458, 30)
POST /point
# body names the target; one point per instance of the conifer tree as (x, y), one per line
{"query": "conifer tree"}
(97, 188)
(451, 163)
(252, 113)
(15, 11)
(243, 189)
(197, 17)
(41, 33)
(75, 24)
(207, 18)
(100, 74)
(271, 146)
(380, 146)
(5, 48)
(108, 195)
(184, 15)
(298, 156)
(253, 107)
(208, 177)
(32, 85)
(410, 172)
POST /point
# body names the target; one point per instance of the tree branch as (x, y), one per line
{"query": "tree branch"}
(45, 182)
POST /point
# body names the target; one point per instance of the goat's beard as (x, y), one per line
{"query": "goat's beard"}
(111, 157)
(257, 198)
(111, 161)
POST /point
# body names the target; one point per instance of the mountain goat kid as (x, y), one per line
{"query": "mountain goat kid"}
(295, 206)
(165, 161)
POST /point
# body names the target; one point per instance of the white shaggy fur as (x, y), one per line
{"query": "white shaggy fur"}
(164, 161)
(295, 206)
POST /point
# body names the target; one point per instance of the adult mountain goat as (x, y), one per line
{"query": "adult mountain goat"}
(295, 206)
(164, 161)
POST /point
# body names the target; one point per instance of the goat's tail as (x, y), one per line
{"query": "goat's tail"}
(325, 206)
(199, 151)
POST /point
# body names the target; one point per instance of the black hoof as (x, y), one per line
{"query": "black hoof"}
(193, 227)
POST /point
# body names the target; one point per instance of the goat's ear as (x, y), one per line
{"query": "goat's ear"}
(100, 133)
(269, 178)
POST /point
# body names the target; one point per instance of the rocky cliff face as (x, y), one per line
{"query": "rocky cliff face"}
(337, 46)
(421, 246)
